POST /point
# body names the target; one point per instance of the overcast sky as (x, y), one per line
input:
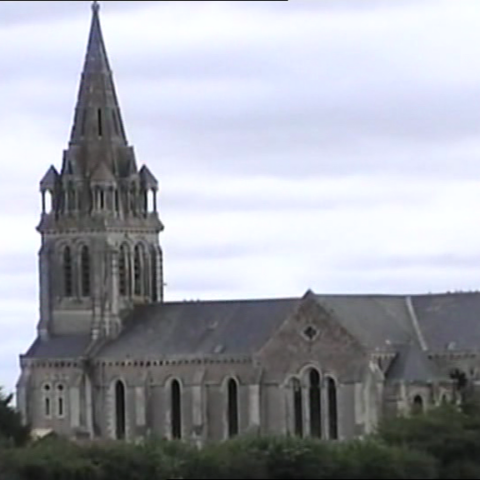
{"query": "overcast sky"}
(327, 144)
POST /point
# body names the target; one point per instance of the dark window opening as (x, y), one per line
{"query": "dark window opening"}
(117, 201)
(332, 409)
(60, 401)
(102, 199)
(417, 406)
(176, 410)
(46, 403)
(297, 408)
(85, 271)
(100, 126)
(232, 407)
(67, 272)
(120, 413)
(315, 404)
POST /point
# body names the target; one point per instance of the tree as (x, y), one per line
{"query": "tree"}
(12, 430)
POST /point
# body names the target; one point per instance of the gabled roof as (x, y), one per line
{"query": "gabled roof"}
(62, 346)
(50, 178)
(412, 365)
(147, 177)
(449, 321)
(232, 327)
(377, 321)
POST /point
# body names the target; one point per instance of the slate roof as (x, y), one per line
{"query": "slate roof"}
(449, 320)
(241, 327)
(375, 320)
(62, 346)
(235, 327)
(412, 365)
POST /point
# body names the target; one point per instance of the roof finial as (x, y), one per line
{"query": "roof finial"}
(95, 6)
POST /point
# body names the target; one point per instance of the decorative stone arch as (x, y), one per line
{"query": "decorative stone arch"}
(67, 263)
(311, 379)
(294, 405)
(332, 410)
(231, 406)
(174, 407)
(140, 268)
(119, 408)
(46, 399)
(84, 265)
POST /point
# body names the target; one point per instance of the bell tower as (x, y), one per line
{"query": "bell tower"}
(100, 253)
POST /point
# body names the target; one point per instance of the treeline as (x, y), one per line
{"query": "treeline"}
(443, 443)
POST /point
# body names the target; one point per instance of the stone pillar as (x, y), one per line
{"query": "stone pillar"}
(197, 414)
(140, 410)
(74, 407)
(45, 259)
(159, 274)
(89, 406)
(115, 292)
(254, 406)
(306, 410)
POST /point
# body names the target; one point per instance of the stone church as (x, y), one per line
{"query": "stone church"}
(114, 359)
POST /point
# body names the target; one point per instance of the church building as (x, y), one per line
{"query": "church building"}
(113, 358)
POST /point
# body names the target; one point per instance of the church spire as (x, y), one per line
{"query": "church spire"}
(97, 113)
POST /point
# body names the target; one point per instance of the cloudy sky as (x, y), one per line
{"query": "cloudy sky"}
(327, 144)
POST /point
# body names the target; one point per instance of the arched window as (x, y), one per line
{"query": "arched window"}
(85, 271)
(417, 404)
(120, 410)
(123, 271)
(60, 400)
(315, 404)
(137, 268)
(297, 407)
(153, 268)
(176, 409)
(67, 272)
(232, 407)
(332, 409)
(47, 402)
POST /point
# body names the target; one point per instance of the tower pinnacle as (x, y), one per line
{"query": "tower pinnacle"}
(97, 113)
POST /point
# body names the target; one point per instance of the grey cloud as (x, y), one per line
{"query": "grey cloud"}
(447, 262)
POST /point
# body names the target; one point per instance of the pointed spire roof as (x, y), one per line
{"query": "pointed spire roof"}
(97, 113)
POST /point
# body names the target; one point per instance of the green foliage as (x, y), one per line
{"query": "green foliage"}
(442, 443)
(449, 434)
(12, 431)
(247, 457)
